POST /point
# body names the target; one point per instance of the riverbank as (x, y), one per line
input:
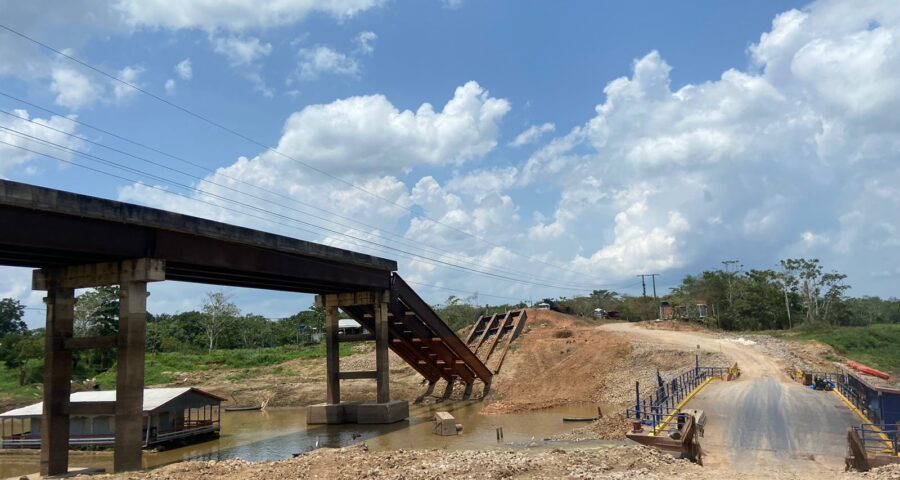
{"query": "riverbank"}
(359, 462)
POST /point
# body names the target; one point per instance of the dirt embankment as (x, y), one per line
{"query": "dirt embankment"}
(357, 462)
(563, 359)
(301, 382)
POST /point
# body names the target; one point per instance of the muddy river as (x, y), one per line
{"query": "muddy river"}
(277, 434)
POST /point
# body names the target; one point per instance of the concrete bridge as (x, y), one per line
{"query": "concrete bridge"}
(77, 241)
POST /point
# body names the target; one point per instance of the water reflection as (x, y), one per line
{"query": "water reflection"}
(277, 434)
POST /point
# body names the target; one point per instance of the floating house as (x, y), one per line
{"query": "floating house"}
(169, 414)
(348, 326)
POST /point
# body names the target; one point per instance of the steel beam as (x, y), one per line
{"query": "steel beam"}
(415, 303)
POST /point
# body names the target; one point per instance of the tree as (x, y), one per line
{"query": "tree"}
(818, 290)
(219, 314)
(16, 349)
(96, 315)
(732, 269)
(787, 280)
(97, 312)
(11, 313)
(833, 284)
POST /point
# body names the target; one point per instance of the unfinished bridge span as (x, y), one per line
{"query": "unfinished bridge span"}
(76, 241)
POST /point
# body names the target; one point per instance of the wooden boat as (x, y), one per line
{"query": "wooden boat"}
(242, 409)
(580, 419)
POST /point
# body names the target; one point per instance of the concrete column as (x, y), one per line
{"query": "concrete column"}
(382, 366)
(130, 375)
(333, 359)
(57, 380)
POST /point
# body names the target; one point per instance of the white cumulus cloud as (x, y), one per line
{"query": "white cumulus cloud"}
(532, 134)
(184, 69)
(233, 15)
(365, 42)
(21, 123)
(74, 89)
(318, 60)
(241, 51)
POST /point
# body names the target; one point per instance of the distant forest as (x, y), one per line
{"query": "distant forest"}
(799, 293)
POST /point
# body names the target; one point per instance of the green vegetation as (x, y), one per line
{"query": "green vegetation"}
(800, 293)
(218, 337)
(798, 296)
(460, 312)
(162, 367)
(874, 345)
(11, 393)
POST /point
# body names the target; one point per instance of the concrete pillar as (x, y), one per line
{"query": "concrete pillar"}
(57, 380)
(382, 365)
(130, 376)
(333, 359)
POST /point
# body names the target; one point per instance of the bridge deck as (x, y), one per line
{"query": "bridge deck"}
(42, 227)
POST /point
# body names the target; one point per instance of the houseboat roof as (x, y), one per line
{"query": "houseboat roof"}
(153, 399)
(348, 323)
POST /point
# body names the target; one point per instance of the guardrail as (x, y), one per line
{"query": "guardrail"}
(855, 398)
(658, 408)
(879, 438)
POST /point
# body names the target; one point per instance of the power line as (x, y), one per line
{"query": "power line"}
(273, 150)
(256, 197)
(463, 291)
(133, 170)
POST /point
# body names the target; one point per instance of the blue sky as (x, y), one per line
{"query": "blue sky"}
(588, 141)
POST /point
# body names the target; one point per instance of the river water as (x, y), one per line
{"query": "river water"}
(277, 434)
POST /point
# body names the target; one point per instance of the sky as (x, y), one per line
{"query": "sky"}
(509, 150)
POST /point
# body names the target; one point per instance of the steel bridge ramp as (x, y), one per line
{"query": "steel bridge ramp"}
(490, 331)
(422, 339)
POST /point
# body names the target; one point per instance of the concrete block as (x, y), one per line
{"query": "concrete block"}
(444, 424)
(390, 412)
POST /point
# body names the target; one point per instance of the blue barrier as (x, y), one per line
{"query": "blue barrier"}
(880, 405)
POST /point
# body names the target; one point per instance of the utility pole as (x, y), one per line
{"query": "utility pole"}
(644, 282)
(732, 267)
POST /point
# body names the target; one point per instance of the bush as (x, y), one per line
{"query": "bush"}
(563, 334)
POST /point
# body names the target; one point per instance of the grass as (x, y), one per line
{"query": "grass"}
(874, 345)
(10, 391)
(164, 367)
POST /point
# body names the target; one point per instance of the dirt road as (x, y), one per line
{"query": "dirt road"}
(764, 421)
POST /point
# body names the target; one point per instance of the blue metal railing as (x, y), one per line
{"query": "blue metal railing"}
(879, 438)
(658, 407)
(855, 398)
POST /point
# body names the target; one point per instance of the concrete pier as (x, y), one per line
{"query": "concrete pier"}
(60, 283)
(334, 411)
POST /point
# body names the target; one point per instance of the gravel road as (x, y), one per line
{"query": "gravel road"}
(762, 422)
